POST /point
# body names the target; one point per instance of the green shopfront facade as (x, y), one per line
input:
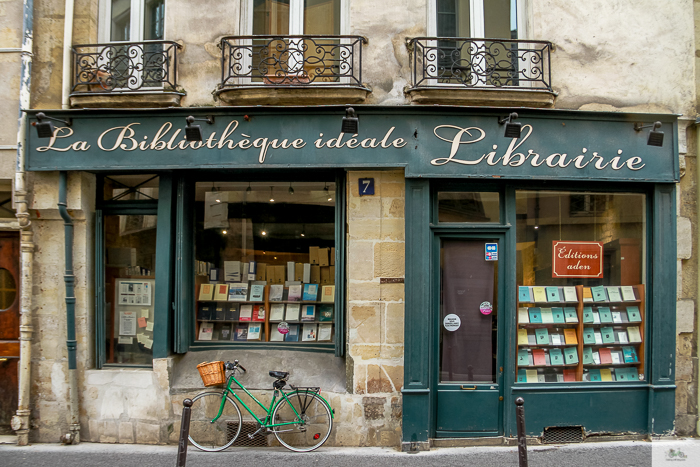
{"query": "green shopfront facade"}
(485, 220)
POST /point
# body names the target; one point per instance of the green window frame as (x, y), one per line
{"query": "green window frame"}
(184, 253)
(159, 206)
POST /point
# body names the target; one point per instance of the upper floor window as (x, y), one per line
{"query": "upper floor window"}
(492, 19)
(293, 17)
(132, 20)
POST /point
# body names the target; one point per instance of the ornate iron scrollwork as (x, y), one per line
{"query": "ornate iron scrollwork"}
(291, 60)
(125, 67)
(480, 63)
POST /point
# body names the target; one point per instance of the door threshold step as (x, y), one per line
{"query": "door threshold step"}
(480, 441)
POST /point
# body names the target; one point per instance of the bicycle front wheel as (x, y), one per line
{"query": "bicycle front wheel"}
(209, 435)
(308, 421)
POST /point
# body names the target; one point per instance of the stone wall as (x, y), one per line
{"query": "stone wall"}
(49, 371)
(375, 309)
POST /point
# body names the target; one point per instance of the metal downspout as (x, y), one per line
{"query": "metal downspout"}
(20, 422)
(69, 279)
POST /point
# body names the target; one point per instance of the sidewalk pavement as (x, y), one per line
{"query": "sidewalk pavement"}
(614, 453)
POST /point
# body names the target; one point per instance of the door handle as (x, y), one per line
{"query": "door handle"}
(468, 389)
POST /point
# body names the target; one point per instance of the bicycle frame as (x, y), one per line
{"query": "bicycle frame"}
(268, 412)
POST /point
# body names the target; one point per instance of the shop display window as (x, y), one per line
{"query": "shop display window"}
(130, 251)
(265, 262)
(581, 313)
(126, 260)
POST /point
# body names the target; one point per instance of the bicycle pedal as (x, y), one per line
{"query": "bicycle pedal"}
(251, 435)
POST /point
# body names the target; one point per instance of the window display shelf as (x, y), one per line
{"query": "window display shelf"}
(621, 319)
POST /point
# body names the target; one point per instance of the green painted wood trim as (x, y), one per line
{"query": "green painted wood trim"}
(417, 348)
(621, 410)
(163, 316)
(183, 297)
(510, 346)
(100, 302)
(340, 229)
(417, 415)
(661, 328)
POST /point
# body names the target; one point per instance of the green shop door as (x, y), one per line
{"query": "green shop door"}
(470, 374)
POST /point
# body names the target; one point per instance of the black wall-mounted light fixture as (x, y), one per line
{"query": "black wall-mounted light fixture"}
(656, 137)
(351, 124)
(512, 128)
(45, 129)
(291, 190)
(194, 132)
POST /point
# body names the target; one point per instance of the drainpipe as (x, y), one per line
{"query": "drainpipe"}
(67, 46)
(69, 278)
(20, 422)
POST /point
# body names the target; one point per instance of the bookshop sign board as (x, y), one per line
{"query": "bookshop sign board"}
(426, 142)
(577, 259)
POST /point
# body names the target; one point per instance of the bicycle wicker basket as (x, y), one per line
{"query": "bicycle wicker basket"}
(212, 373)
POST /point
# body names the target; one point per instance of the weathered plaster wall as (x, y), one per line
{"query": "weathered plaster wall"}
(47, 66)
(609, 55)
(10, 38)
(385, 61)
(199, 29)
(618, 55)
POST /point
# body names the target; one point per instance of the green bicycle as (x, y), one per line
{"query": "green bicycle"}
(301, 419)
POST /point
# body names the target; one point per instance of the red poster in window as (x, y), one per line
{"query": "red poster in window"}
(577, 259)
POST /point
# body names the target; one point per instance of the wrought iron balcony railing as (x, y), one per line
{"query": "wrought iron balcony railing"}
(480, 63)
(283, 61)
(125, 67)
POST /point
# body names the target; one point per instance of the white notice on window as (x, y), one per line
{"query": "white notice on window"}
(134, 293)
(127, 323)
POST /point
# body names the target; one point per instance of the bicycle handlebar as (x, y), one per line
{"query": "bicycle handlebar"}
(232, 366)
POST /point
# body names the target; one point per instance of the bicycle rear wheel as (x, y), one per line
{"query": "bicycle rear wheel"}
(307, 431)
(220, 434)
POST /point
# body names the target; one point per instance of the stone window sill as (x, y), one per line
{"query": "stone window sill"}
(491, 97)
(293, 95)
(134, 100)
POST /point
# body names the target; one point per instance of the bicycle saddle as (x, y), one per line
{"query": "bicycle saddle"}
(279, 374)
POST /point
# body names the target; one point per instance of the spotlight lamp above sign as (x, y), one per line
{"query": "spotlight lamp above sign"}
(45, 129)
(194, 132)
(656, 137)
(351, 124)
(513, 128)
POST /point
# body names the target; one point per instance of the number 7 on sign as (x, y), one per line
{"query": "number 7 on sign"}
(366, 186)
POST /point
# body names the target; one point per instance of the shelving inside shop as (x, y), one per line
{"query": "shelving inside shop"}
(577, 333)
(292, 303)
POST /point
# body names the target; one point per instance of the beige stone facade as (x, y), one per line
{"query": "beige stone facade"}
(613, 56)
